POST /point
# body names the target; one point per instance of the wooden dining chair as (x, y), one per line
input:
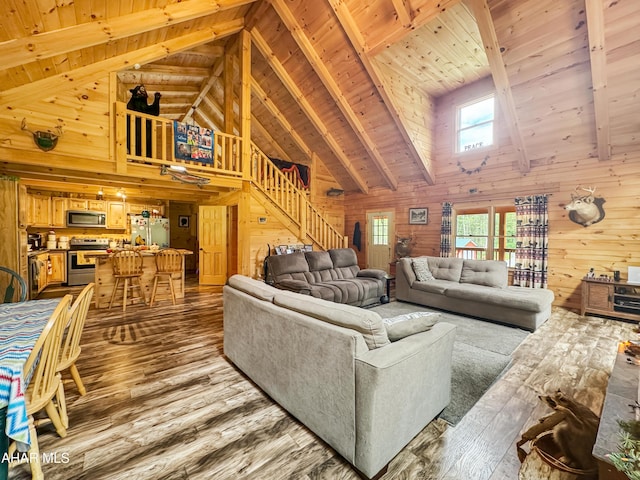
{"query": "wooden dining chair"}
(127, 268)
(168, 268)
(15, 288)
(45, 384)
(70, 350)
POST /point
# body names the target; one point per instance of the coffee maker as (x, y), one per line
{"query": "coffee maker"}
(35, 240)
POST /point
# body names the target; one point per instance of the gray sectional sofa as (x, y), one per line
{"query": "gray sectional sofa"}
(333, 275)
(471, 287)
(334, 368)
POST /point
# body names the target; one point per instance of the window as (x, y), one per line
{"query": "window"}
(486, 233)
(380, 230)
(475, 124)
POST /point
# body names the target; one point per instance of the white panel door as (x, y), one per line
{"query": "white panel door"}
(380, 228)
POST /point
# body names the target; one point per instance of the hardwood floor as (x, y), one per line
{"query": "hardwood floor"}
(164, 403)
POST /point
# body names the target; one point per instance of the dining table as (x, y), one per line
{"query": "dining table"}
(20, 326)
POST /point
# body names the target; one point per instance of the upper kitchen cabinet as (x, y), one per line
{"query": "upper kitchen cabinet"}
(84, 204)
(77, 204)
(97, 205)
(58, 212)
(116, 215)
(47, 212)
(39, 211)
(138, 208)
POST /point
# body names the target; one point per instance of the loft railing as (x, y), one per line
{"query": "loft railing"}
(149, 140)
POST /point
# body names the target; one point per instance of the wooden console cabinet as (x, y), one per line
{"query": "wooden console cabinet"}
(612, 299)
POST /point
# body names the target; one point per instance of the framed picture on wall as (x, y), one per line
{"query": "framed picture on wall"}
(183, 221)
(418, 216)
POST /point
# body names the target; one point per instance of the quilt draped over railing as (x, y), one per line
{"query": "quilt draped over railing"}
(301, 171)
(532, 241)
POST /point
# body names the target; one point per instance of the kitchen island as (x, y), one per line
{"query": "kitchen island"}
(105, 280)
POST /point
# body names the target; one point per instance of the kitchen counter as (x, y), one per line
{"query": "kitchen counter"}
(31, 253)
(105, 281)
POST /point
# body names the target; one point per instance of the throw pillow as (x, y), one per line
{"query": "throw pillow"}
(404, 325)
(421, 269)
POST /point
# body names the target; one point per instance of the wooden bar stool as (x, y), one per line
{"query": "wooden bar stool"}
(127, 266)
(168, 268)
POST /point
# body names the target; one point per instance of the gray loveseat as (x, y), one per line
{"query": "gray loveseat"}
(334, 368)
(333, 275)
(471, 287)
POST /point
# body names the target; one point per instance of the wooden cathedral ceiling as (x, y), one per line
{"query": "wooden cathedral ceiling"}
(348, 82)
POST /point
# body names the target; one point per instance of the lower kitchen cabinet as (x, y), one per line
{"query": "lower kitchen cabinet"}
(58, 271)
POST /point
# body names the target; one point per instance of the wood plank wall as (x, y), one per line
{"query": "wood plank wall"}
(558, 166)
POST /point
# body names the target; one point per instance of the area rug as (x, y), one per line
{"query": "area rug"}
(481, 353)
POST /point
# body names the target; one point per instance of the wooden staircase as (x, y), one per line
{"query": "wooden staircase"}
(272, 188)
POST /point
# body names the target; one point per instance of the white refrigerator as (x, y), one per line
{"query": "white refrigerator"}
(149, 231)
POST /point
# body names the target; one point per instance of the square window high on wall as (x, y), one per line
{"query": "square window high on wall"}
(474, 124)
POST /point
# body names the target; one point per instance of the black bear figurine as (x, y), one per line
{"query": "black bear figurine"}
(138, 103)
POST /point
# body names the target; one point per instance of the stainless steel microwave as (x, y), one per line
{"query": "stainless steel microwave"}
(86, 218)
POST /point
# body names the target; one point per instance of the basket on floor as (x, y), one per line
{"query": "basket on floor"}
(542, 462)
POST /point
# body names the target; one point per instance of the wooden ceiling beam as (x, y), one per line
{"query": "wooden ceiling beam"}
(415, 21)
(598, 55)
(357, 41)
(214, 74)
(403, 10)
(29, 93)
(262, 96)
(500, 79)
(176, 70)
(309, 111)
(281, 154)
(23, 50)
(334, 90)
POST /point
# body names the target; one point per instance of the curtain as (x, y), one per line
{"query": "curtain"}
(445, 230)
(532, 237)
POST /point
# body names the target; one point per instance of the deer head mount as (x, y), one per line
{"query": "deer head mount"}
(585, 209)
(44, 140)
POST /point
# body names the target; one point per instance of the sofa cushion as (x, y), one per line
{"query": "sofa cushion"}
(409, 324)
(366, 322)
(253, 287)
(522, 298)
(421, 269)
(292, 263)
(299, 286)
(445, 268)
(343, 257)
(432, 286)
(491, 273)
(318, 261)
(372, 273)
(324, 291)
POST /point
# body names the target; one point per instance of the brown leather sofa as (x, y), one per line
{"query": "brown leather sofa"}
(333, 275)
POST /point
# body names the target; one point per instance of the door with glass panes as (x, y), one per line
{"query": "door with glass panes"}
(380, 244)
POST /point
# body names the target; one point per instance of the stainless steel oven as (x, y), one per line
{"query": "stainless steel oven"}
(80, 270)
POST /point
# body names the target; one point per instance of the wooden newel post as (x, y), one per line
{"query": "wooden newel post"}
(121, 137)
(245, 102)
